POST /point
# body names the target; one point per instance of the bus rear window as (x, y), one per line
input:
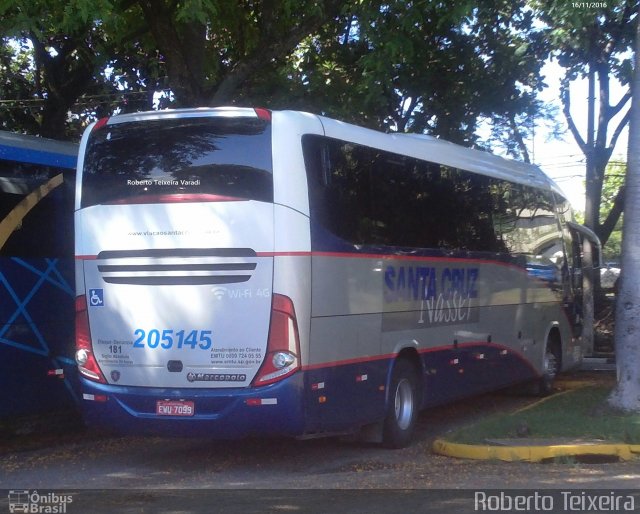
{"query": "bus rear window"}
(132, 161)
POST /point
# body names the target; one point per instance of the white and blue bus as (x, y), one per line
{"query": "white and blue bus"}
(251, 272)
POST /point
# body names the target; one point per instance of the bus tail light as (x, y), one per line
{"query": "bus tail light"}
(174, 198)
(283, 347)
(263, 114)
(87, 364)
(100, 123)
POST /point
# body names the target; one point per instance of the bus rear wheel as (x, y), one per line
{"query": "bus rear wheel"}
(402, 409)
(550, 368)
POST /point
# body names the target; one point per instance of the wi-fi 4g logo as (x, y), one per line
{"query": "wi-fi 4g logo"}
(232, 293)
(21, 500)
(219, 292)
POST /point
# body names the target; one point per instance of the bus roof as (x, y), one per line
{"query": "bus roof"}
(419, 146)
(436, 150)
(37, 150)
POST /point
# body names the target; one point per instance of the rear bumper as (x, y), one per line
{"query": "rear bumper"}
(274, 410)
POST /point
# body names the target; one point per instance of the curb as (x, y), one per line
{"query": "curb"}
(533, 453)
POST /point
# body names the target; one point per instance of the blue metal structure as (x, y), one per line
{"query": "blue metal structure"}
(37, 370)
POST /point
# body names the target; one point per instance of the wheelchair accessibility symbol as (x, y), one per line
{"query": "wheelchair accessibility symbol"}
(96, 297)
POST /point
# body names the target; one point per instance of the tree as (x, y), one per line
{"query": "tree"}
(16, 87)
(54, 60)
(611, 189)
(422, 67)
(212, 48)
(627, 392)
(593, 42)
(90, 58)
(45, 75)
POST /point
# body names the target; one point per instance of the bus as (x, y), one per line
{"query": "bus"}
(247, 272)
(37, 366)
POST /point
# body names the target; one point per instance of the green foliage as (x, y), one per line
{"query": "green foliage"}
(613, 182)
(16, 79)
(577, 414)
(580, 34)
(419, 66)
(593, 41)
(76, 57)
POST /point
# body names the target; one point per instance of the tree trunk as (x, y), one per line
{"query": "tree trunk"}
(591, 219)
(183, 47)
(626, 395)
(588, 304)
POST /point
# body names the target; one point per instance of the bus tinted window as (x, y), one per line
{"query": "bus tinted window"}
(220, 156)
(368, 196)
(528, 223)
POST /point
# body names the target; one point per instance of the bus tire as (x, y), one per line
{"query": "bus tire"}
(551, 365)
(402, 409)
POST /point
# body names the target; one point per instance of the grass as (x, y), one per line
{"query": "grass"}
(577, 414)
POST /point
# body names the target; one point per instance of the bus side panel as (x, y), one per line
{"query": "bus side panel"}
(292, 278)
(347, 373)
(289, 175)
(479, 325)
(292, 239)
(346, 396)
(292, 267)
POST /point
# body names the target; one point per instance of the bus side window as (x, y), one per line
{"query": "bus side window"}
(325, 164)
(318, 165)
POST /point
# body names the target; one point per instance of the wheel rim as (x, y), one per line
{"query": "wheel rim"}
(404, 404)
(550, 365)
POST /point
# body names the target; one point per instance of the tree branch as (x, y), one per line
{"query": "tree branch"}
(347, 31)
(617, 30)
(605, 229)
(615, 109)
(604, 115)
(183, 48)
(264, 55)
(518, 137)
(406, 116)
(565, 95)
(616, 134)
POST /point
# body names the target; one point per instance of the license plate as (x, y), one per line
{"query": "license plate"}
(175, 408)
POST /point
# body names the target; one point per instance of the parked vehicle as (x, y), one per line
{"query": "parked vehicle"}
(243, 271)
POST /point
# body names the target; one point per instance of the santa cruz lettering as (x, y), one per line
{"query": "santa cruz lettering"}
(412, 283)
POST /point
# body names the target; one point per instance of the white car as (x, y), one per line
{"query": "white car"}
(609, 275)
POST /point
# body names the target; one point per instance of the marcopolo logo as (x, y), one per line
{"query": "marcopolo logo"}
(216, 377)
(38, 503)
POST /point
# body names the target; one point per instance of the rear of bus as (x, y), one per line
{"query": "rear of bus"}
(177, 327)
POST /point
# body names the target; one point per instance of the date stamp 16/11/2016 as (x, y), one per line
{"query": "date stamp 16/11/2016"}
(589, 5)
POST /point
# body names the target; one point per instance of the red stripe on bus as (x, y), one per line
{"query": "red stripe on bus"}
(435, 349)
(346, 362)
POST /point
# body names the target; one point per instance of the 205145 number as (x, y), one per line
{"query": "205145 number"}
(166, 339)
